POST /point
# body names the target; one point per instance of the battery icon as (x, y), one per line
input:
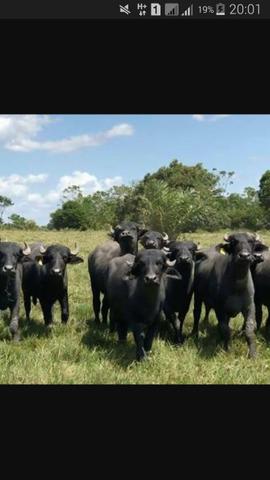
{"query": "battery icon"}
(220, 9)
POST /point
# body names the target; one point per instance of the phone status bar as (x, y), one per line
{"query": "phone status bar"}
(138, 10)
(190, 10)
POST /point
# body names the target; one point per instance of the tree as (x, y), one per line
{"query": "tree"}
(264, 189)
(73, 192)
(21, 223)
(71, 215)
(177, 175)
(5, 202)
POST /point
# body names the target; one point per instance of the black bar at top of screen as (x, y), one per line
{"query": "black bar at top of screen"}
(130, 9)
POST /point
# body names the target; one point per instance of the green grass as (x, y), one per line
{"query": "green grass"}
(83, 353)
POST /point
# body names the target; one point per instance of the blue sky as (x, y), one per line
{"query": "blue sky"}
(40, 155)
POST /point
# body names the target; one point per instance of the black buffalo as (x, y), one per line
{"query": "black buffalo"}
(12, 257)
(45, 278)
(152, 239)
(125, 240)
(261, 278)
(136, 293)
(179, 294)
(224, 283)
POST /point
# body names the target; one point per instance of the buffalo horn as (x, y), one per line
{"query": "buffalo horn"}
(76, 251)
(27, 249)
(170, 263)
(42, 249)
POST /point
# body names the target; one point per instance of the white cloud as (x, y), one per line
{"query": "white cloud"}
(209, 118)
(199, 118)
(16, 127)
(214, 118)
(31, 203)
(17, 185)
(18, 133)
(111, 182)
(88, 183)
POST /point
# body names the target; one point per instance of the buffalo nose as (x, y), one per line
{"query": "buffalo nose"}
(57, 271)
(8, 268)
(150, 278)
(244, 254)
(125, 233)
(185, 258)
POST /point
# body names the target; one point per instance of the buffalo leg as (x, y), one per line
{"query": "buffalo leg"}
(258, 308)
(47, 312)
(223, 321)
(96, 304)
(122, 330)
(196, 315)
(27, 305)
(150, 334)
(64, 307)
(249, 316)
(139, 340)
(267, 325)
(14, 321)
(112, 321)
(177, 326)
(104, 309)
(205, 321)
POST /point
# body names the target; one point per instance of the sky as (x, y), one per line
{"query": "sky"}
(41, 155)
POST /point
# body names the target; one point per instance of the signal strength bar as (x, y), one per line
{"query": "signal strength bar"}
(188, 12)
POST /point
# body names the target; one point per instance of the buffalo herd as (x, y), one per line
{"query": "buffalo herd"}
(140, 286)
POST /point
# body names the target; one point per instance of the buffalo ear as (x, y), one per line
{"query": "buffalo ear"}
(199, 255)
(172, 254)
(39, 258)
(141, 231)
(135, 269)
(74, 259)
(223, 248)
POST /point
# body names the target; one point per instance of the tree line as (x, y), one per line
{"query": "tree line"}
(174, 199)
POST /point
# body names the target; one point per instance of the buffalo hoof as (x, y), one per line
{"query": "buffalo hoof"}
(252, 354)
(16, 337)
(141, 356)
(49, 327)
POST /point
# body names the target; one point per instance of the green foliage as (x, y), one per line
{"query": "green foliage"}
(264, 189)
(174, 199)
(5, 202)
(21, 223)
(183, 177)
(245, 210)
(70, 215)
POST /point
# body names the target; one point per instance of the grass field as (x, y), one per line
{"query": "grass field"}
(83, 353)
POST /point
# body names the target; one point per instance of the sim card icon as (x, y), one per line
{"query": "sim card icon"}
(155, 9)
